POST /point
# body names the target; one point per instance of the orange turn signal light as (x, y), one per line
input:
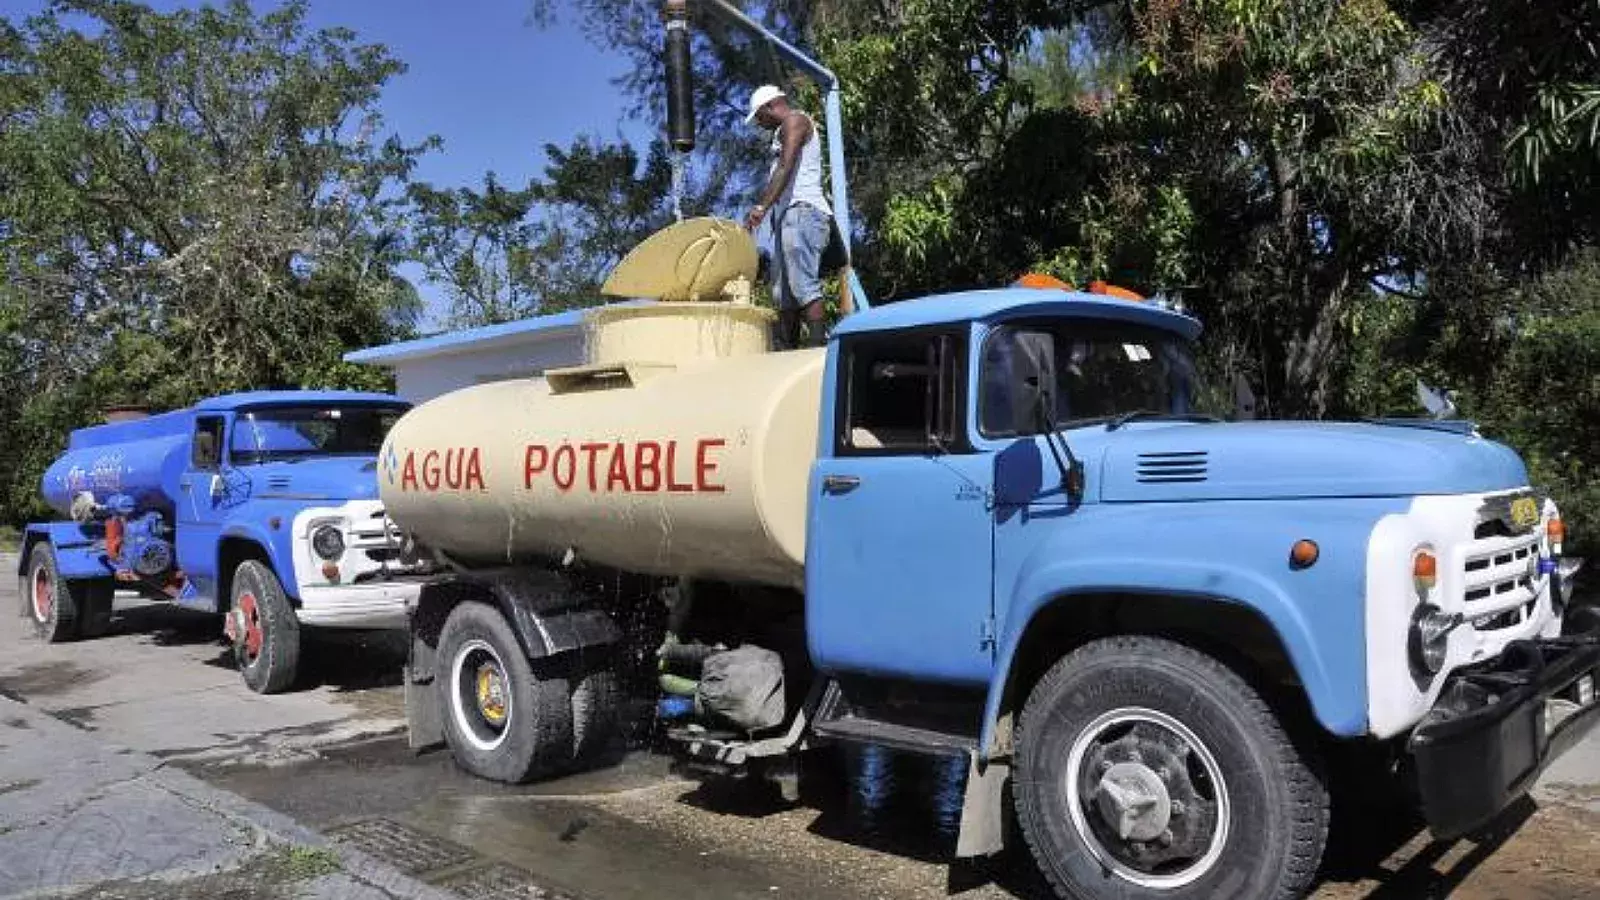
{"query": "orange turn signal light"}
(1557, 530)
(1425, 570)
(1304, 553)
(1041, 280)
(1111, 290)
(330, 571)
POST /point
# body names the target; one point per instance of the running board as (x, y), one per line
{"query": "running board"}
(898, 737)
(840, 719)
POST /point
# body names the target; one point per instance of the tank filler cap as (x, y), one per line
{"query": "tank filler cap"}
(705, 259)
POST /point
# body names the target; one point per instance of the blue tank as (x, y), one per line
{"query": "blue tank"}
(141, 460)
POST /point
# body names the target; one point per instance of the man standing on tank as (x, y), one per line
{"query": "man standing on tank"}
(802, 220)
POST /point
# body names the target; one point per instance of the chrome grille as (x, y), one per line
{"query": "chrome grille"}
(1499, 580)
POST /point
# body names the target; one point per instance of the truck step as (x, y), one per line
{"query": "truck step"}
(900, 737)
(874, 711)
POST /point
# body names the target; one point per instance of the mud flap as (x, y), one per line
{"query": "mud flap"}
(983, 809)
(424, 720)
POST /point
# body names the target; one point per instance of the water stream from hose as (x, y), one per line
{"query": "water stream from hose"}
(680, 177)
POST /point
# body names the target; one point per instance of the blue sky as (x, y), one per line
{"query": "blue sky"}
(493, 86)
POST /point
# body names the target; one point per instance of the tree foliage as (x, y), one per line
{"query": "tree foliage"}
(190, 202)
(506, 254)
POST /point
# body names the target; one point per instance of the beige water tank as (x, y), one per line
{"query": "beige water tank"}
(698, 472)
(681, 447)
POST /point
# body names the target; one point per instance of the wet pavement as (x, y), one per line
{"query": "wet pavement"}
(871, 824)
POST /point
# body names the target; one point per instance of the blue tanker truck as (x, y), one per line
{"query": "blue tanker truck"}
(260, 506)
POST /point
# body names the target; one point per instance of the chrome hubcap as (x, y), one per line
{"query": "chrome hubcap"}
(480, 695)
(1148, 798)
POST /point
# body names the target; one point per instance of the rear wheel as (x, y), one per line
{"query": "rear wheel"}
(596, 714)
(48, 600)
(266, 634)
(506, 718)
(1150, 770)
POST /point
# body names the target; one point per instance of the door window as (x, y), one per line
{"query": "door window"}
(206, 452)
(902, 395)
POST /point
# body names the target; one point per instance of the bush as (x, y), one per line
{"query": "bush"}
(1524, 361)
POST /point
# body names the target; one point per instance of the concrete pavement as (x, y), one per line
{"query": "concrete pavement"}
(163, 682)
(83, 817)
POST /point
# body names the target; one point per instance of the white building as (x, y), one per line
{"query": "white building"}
(427, 367)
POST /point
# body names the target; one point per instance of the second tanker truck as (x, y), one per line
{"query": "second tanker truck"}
(990, 524)
(259, 507)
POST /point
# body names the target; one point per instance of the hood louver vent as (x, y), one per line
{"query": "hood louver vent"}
(277, 482)
(1178, 467)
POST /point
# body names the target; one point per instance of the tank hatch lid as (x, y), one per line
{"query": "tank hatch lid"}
(603, 376)
(696, 259)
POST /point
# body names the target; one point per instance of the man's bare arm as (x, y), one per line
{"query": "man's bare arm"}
(794, 131)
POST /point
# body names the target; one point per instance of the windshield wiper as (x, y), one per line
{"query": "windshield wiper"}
(1066, 461)
(1118, 421)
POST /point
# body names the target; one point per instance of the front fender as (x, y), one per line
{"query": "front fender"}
(276, 544)
(1327, 652)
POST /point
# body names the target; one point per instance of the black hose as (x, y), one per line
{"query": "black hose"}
(680, 84)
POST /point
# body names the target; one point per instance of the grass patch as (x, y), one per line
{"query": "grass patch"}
(10, 538)
(306, 863)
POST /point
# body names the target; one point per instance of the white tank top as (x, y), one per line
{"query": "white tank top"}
(806, 185)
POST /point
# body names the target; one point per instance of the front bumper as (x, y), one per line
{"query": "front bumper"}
(376, 604)
(1497, 725)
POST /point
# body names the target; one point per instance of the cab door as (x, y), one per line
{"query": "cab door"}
(899, 548)
(200, 512)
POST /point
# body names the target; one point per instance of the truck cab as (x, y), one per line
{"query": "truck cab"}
(261, 507)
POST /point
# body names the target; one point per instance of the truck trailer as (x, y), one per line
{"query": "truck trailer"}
(261, 507)
(993, 525)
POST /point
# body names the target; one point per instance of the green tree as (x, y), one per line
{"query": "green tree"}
(193, 203)
(548, 246)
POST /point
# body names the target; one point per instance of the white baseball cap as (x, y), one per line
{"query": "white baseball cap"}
(762, 96)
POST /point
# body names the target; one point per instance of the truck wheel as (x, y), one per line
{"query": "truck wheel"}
(506, 718)
(1147, 769)
(596, 714)
(267, 634)
(95, 600)
(48, 601)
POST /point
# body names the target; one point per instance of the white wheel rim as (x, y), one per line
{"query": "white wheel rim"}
(43, 594)
(1078, 805)
(467, 720)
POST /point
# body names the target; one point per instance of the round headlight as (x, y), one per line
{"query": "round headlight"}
(1430, 638)
(328, 542)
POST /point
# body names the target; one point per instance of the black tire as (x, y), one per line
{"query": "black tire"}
(1101, 717)
(95, 602)
(596, 714)
(49, 602)
(522, 730)
(267, 646)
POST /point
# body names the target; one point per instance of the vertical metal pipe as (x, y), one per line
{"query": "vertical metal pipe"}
(834, 118)
(680, 77)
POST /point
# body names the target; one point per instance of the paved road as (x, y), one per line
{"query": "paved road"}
(163, 682)
(330, 756)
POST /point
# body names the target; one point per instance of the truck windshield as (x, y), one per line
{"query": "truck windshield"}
(1096, 370)
(296, 432)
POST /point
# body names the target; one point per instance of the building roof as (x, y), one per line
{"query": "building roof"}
(227, 402)
(1013, 302)
(522, 331)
